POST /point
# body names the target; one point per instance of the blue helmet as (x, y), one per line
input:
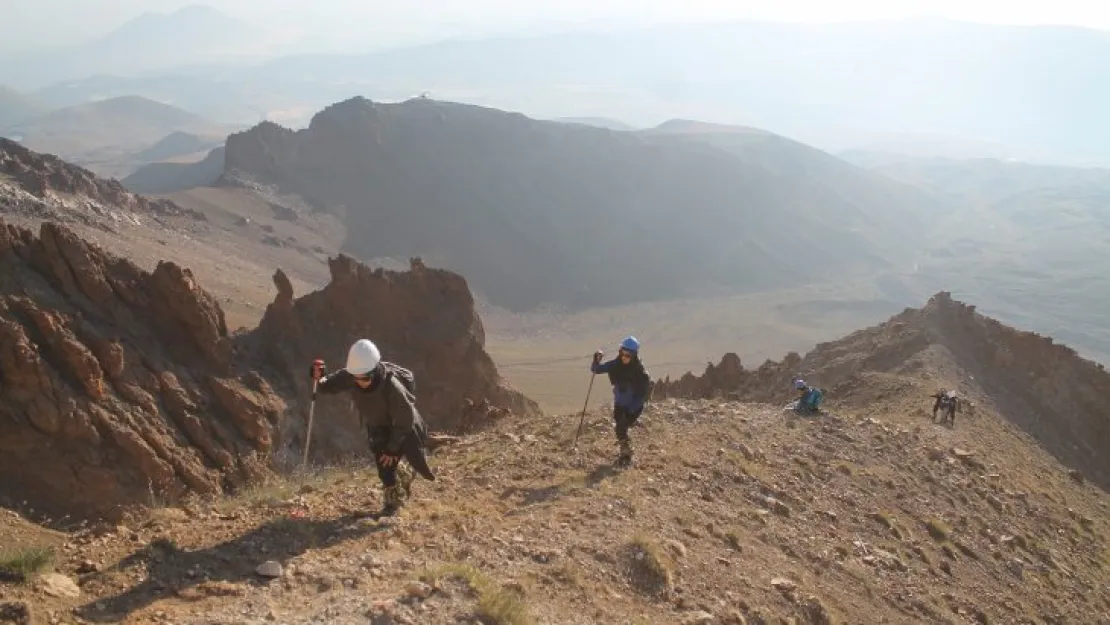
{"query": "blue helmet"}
(630, 344)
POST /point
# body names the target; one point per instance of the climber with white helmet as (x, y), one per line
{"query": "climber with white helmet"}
(631, 383)
(383, 394)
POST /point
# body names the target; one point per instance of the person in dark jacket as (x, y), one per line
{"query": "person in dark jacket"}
(947, 403)
(388, 411)
(631, 383)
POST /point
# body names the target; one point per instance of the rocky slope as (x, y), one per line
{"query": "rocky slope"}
(733, 514)
(536, 212)
(124, 387)
(1043, 387)
(42, 186)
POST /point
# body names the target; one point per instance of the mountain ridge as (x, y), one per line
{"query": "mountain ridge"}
(1045, 388)
(372, 160)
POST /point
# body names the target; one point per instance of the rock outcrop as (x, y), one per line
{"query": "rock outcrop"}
(43, 186)
(1043, 387)
(729, 379)
(118, 385)
(423, 319)
(121, 387)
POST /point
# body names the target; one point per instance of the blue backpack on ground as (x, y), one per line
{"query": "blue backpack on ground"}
(811, 401)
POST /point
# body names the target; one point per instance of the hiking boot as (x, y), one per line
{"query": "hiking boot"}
(392, 500)
(625, 457)
(405, 478)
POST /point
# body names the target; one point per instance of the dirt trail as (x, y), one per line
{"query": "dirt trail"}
(733, 513)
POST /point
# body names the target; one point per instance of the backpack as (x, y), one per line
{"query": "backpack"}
(408, 380)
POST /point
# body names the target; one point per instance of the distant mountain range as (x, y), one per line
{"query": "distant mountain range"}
(152, 42)
(116, 135)
(924, 87)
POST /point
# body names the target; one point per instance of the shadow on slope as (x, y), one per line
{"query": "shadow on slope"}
(168, 177)
(171, 571)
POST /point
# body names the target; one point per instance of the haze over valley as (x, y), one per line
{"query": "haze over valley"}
(199, 200)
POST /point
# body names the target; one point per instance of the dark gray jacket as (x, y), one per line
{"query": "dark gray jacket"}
(385, 406)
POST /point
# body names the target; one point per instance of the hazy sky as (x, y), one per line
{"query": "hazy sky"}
(48, 22)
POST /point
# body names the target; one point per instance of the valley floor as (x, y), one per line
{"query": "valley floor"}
(732, 513)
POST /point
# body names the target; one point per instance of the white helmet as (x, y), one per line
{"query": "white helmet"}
(363, 357)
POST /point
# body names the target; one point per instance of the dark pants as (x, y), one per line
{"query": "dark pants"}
(379, 440)
(947, 408)
(624, 420)
(412, 450)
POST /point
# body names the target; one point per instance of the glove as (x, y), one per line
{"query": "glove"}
(387, 459)
(597, 356)
(317, 369)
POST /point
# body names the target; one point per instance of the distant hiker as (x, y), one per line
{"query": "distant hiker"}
(946, 403)
(631, 383)
(383, 394)
(809, 397)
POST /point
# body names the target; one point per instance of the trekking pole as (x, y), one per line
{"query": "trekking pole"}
(311, 410)
(584, 406)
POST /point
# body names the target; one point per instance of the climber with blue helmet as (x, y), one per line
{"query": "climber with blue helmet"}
(809, 398)
(384, 396)
(631, 383)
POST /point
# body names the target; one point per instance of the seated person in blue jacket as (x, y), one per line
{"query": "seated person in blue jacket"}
(809, 397)
(630, 382)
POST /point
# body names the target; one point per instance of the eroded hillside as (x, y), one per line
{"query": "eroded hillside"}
(733, 513)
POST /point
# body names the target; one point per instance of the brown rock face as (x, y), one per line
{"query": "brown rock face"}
(118, 385)
(121, 387)
(1045, 388)
(423, 319)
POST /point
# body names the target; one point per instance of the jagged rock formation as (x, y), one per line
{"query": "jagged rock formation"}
(535, 212)
(1045, 388)
(43, 186)
(423, 319)
(122, 387)
(729, 379)
(118, 385)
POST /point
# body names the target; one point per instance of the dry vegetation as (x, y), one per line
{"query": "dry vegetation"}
(21, 563)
